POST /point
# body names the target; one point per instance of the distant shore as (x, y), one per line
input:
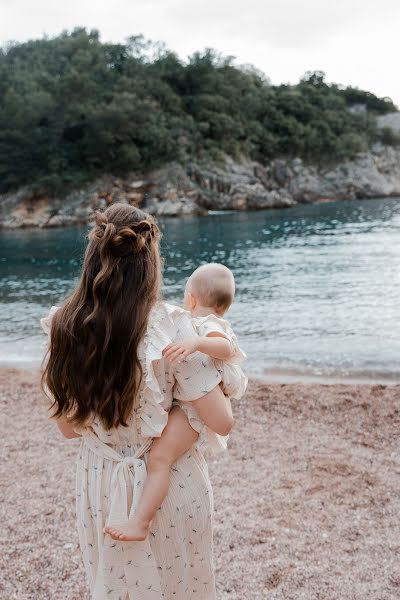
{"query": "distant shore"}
(178, 190)
(306, 498)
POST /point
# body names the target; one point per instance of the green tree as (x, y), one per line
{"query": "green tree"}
(72, 107)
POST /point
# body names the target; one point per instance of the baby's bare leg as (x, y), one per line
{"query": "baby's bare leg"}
(176, 439)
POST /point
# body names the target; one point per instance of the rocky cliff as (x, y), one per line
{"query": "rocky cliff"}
(177, 190)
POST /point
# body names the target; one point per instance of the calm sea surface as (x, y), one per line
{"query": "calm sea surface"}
(317, 286)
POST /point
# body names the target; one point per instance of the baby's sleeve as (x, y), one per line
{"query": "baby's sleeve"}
(208, 325)
(237, 356)
(212, 324)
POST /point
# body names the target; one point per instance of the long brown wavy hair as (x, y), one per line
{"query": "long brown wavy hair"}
(92, 365)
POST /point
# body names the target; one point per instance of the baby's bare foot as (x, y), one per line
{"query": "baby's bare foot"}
(133, 530)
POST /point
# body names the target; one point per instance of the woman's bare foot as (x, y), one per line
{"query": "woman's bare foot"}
(133, 530)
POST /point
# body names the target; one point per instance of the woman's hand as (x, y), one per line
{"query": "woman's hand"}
(178, 351)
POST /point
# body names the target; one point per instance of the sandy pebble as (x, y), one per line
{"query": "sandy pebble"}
(307, 499)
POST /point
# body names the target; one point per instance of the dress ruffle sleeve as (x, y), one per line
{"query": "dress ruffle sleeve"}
(161, 331)
(46, 321)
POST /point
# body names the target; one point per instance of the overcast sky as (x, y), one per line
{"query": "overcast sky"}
(354, 41)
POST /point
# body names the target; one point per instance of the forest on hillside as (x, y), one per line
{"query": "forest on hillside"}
(72, 107)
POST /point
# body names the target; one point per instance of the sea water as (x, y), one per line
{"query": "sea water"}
(317, 285)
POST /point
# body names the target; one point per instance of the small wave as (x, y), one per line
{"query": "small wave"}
(330, 377)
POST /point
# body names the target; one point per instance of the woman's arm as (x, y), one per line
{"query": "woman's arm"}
(66, 428)
(215, 410)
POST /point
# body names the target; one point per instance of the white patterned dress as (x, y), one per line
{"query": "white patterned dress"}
(176, 562)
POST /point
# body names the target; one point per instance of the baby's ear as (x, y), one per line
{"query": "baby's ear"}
(192, 300)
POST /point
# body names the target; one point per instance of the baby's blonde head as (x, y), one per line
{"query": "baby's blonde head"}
(211, 286)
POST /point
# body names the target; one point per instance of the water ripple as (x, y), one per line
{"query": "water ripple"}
(317, 286)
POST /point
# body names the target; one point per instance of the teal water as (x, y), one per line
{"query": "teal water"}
(317, 286)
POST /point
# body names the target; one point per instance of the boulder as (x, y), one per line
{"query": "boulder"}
(135, 198)
(172, 208)
(61, 221)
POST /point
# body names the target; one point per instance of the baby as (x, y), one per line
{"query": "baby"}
(209, 293)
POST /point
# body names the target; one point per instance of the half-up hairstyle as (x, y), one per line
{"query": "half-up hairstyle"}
(93, 366)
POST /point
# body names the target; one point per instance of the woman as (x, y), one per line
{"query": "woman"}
(111, 386)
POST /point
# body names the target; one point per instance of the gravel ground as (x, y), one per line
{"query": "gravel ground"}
(306, 500)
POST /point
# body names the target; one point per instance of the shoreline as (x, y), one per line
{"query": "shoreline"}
(85, 222)
(187, 189)
(306, 498)
(275, 376)
(293, 376)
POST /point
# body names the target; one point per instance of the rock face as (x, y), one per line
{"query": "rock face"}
(391, 120)
(177, 190)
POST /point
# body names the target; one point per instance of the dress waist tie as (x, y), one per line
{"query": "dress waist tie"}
(130, 469)
(134, 569)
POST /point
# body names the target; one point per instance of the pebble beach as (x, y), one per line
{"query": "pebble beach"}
(307, 499)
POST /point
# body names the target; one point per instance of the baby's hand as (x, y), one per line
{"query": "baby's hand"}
(178, 351)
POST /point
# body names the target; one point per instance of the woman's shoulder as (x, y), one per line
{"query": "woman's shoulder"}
(163, 315)
(172, 310)
(167, 315)
(170, 322)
